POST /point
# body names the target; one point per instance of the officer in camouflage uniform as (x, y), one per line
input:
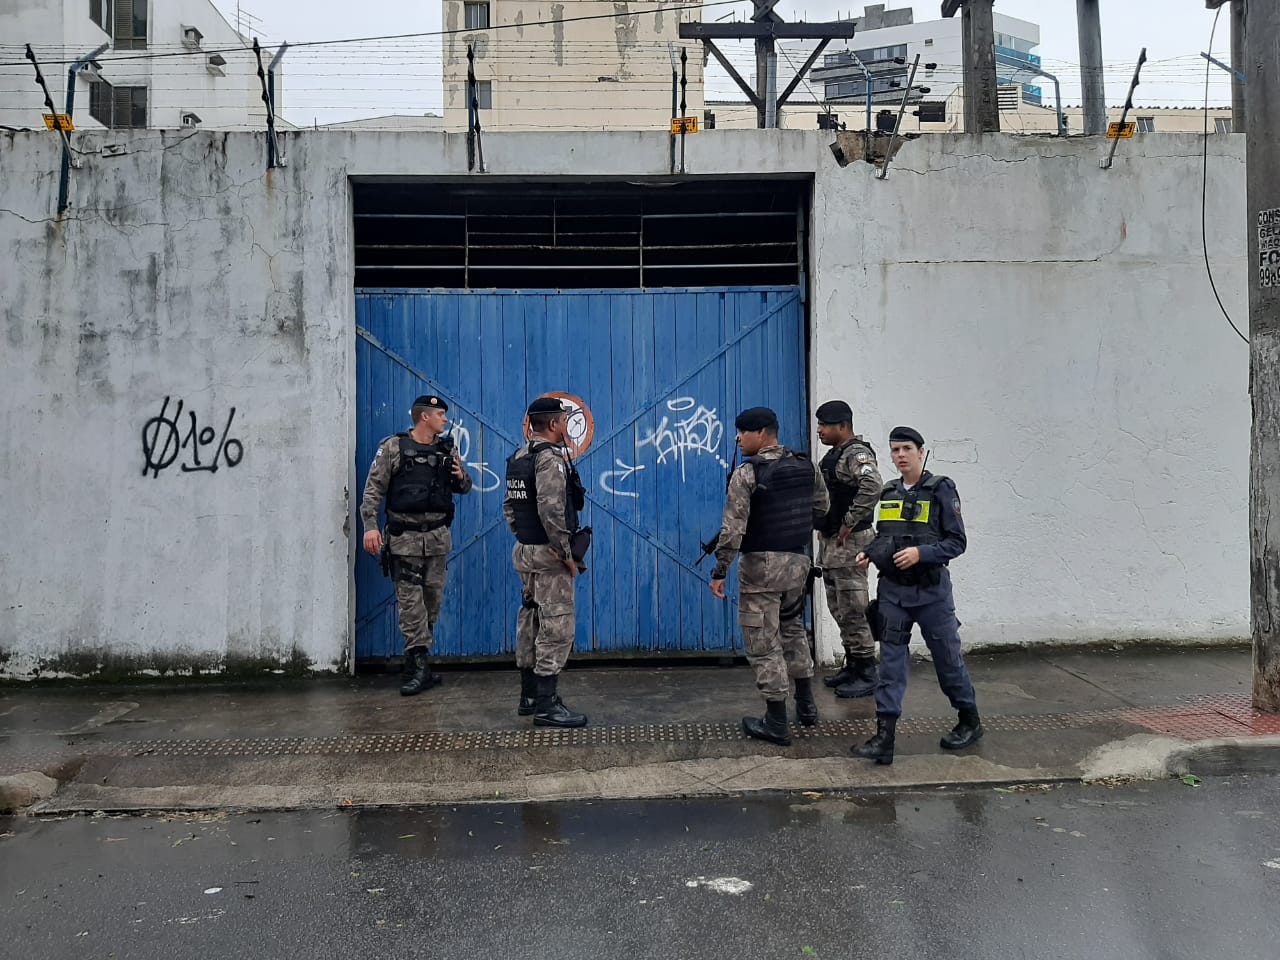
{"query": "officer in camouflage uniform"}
(919, 532)
(417, 473)
(775, 499)
(542, 502)
(853, 480)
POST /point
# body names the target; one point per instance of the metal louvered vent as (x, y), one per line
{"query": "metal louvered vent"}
(574, 235)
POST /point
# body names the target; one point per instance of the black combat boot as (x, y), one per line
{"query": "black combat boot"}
(421, 678)
(847, 673)
(965, 733)
(772, 726)
(880, 747)
(528, 692)
(863, 682)
(806, 709)
(550, 711)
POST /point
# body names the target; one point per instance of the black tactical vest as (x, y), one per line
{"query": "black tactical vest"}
(522, 494)
(842, 494)
(422, 483)
(910, 519)
(781, 517)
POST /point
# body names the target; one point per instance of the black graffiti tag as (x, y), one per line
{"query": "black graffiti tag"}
(163, 441)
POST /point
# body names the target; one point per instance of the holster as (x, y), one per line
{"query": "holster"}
(404, 572)
(580, 543)
(874, 621)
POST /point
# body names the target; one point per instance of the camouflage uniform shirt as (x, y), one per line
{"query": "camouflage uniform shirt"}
(758, 571)
(411, 543)
(855, 468)
(551, 477)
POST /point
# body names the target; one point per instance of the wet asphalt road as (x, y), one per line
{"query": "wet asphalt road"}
(1155, 870)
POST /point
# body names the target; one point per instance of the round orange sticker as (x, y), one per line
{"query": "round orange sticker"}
(582, 425)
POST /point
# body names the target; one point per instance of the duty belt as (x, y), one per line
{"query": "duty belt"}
(397, 527)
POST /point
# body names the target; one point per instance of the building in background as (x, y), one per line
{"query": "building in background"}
(171, 63)
(590, 69)
(888, 40)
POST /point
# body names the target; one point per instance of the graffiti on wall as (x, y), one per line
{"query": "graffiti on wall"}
(168, 436)
(687, 431)
(486, 481)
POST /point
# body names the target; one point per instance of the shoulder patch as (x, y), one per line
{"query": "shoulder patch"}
(863, 457)
(955, 504)
(867, 470)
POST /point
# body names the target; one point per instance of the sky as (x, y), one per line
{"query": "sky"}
(346, 81)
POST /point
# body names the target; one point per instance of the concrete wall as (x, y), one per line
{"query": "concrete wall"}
(1046, 325)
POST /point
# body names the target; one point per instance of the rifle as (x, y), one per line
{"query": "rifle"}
(709, 546)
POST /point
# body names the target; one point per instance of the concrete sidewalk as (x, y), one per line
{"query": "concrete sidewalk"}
(655, 731)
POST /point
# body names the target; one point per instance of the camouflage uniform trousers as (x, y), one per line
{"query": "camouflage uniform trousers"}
(546, 623)
(847, 599)
(771, 615)
(420, 592)
(847, 593)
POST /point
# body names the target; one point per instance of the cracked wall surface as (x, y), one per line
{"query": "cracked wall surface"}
(1047, 326)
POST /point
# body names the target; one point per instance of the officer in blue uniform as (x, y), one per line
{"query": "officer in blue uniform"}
(919, 531)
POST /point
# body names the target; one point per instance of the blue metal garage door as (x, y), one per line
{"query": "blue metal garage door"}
(659, 375)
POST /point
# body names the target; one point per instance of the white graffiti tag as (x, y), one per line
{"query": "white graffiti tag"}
(610, 479)
(699, 431)
(486, 480)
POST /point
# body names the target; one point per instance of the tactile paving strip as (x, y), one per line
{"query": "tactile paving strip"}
(1196, 718)
(1205, 718)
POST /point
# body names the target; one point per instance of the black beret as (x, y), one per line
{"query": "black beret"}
(906, 434)
(545, 405)
(835, 411)
(756, 418)
(430, 400)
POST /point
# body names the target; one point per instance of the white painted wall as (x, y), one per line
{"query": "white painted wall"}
(1046, 325)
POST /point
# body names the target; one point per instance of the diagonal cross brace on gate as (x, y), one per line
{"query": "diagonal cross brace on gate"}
(483, 532)
(374, 342)
(653, 400)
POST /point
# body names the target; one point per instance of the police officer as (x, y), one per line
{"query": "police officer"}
(920, 530)
(775, 498)
(853, 480)
(544, 496)
(417, 473)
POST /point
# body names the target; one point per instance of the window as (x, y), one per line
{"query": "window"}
(475, 16)
(120, 108)
(100, 13)
(928, 41)
(1222, 125)
(881, 54)
(130, 20)
(1146, 124)
(484, 94)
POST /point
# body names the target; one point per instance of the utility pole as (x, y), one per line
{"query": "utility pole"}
(1262, 146)
(1237, 63)
(766, 27)
(1238, 72)
(1092, 92)
(978, 38)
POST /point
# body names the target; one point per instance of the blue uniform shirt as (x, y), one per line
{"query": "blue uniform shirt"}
(947, 501)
